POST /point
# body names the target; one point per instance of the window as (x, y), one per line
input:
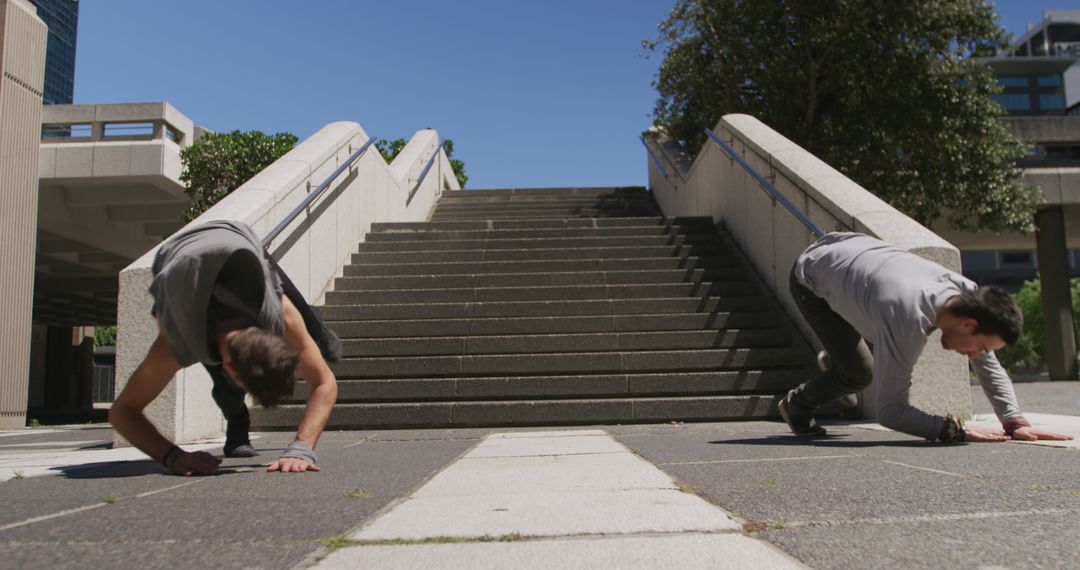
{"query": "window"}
(53, 132)
(1051, 101)
(1049, 81)
(978, 260)
(1013, 81)
(1017, 259)
(129, 129)
(1013, 101)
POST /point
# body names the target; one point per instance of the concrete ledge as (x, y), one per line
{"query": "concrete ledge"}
(714, 185)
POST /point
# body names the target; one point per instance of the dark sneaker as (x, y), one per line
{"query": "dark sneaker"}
(240, 450)
(237, 440)
(801, 423)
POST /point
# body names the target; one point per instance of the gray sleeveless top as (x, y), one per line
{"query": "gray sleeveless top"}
(209, 278)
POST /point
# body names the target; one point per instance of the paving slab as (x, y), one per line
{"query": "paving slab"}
(874, 498)
(511, 500)
(133, 514)
(686, 552)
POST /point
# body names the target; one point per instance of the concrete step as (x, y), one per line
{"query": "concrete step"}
(642, 204)
(546, 309)
(549, 293)
(565, 342)
(363, 283)
(552, 190)
(530, 243)
(537, 254)
(550, 325)
(705, 232)
(483, 195)
(526, 412)
(350, 283)
(542, 266)
(570, 363)
(710, 383)
(569, 211)
(540, 224)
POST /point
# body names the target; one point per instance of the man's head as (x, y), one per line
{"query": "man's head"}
(983, 320)
(262, 363)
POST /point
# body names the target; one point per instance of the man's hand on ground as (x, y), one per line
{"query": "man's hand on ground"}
(292, 465)
(1029, 433)
(197, 463)
(974, 434)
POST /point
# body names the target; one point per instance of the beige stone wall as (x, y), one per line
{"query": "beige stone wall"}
(771, 237)
(22, 72)
(312, 250)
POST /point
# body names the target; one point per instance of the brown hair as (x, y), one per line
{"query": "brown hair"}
(993, 309)
(265, 363)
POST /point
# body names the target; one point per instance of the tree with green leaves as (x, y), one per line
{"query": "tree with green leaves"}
(219, 163)
(887, 92)
(390, 149)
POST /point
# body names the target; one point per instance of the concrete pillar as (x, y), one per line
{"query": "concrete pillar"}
(22, 74)
(1057, 304)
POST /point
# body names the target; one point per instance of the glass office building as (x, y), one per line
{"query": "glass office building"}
(62, 18)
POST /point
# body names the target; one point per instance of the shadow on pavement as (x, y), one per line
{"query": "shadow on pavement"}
(827, 441)
(120, 469)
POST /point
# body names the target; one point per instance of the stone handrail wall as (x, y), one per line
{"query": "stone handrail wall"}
(712, 184)
(312, 250)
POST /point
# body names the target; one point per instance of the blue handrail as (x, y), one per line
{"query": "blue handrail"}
(769, 188)
(424, 172)
(314, 195)
(653, 157)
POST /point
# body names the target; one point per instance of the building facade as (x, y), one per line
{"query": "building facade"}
(22, 68)
(62, 19)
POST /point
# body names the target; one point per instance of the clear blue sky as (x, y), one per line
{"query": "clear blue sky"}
(551, 93)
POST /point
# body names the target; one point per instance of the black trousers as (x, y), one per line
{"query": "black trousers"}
(852, 362)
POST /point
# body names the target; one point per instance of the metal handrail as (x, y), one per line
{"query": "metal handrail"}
(653, 157)
(423, 173)
(314, 195)
(767, 187)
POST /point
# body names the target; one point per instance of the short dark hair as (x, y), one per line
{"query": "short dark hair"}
(993, 309)
(265, 363)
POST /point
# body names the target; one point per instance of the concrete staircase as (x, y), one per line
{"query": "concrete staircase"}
(552, 306)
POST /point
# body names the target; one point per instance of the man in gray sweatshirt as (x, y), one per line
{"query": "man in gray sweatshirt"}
(221, 301)
(852, 287)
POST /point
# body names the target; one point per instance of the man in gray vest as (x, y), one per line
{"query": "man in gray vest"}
(220, 300)
(852, 287)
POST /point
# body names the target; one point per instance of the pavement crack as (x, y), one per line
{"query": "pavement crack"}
(927, 518)
(75, 510)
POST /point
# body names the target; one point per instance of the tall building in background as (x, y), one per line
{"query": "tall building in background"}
(62, 18)
(22, 65)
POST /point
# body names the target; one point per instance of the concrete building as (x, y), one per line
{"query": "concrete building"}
(62, 19)
(22, 69)
(109, 191)
(1040, 81)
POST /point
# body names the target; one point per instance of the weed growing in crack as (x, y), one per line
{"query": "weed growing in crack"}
(334, 542)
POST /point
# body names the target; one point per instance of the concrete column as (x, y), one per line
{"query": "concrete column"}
(1057, 305)
(22, 74)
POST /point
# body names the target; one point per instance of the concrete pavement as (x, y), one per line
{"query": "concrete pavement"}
(739, 494)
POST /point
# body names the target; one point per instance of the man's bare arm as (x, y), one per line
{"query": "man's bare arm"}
(314, 370)
(127, 418)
